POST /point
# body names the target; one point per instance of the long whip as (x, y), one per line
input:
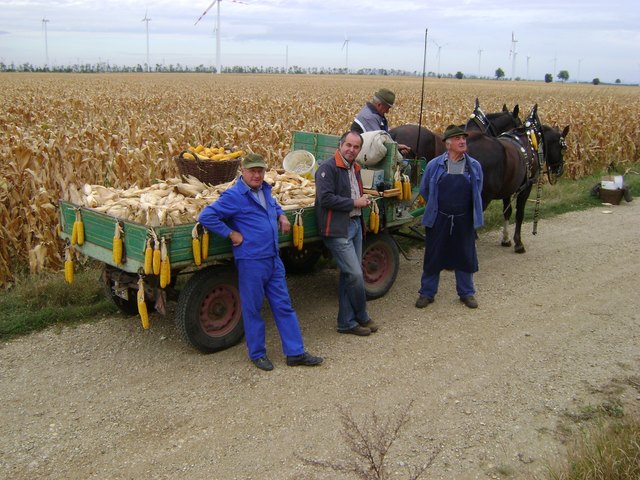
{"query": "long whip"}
(424, 67)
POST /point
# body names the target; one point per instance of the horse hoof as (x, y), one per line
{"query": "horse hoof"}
(506, 244)
(519, 249)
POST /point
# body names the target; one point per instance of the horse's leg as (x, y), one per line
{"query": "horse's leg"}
(506, 215)
(521, 202)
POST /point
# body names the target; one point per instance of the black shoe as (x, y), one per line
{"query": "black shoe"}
(357, 330)
(305, 359)
(371, 325)
(470, 301)
(423, 301)
(263, 363)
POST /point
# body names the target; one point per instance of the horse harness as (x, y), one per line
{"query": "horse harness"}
(528, 156)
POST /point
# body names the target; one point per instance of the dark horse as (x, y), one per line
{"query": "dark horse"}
(513, 162)
(426, 144)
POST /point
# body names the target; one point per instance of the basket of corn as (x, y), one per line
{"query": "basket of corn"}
(212, 165)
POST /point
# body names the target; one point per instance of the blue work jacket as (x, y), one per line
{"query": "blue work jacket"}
(429, 189)
(238, 209)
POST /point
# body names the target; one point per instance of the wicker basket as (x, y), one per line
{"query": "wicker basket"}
(611, 196)
(213, 172)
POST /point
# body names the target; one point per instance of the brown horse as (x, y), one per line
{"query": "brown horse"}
(512, 163)
(426, 144)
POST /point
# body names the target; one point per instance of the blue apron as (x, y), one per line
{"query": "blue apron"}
(451, 243)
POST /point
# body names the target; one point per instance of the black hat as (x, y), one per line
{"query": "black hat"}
(386, 96)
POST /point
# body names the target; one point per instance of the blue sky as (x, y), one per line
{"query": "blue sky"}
(588, 38)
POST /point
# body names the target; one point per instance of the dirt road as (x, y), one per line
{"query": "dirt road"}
(557, 331)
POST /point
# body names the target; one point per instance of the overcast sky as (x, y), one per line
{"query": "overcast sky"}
(587, 38)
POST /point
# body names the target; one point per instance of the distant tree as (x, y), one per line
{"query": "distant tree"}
(548, 78)
(563, 75)
(459, 75)
(618, 81)
(499, 73)
(596, 81)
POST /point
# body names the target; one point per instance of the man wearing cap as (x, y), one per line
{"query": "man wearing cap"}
(452, 187)
(372, 116)
(249, 216)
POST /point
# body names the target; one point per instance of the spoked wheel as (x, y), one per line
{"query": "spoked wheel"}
(380, 263)
(209, 315)
(300, 261)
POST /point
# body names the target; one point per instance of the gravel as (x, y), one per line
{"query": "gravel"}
(492, 389)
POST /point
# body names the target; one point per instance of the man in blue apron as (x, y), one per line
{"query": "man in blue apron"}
(249, 216)
(452, 187)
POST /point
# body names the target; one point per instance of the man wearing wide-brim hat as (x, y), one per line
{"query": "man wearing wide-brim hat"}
(452, 187)
(372, 116)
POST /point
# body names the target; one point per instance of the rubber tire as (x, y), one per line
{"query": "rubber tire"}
(300, 261)
(380, 264)
(208, 315)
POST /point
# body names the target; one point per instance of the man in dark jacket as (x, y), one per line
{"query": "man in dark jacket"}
(339, 203)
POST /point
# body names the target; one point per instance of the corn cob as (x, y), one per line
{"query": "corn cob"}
(195, 246)
(79, 227)
(205, 244)
(148, 257)
(397, 183)
(300, 230)
(68, 266)
(156, 261)
(74, 233)
(117, 245)
(142, 305)
(165, 265)
(407, 188)
(295, 237)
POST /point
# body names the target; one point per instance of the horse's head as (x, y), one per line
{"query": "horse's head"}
(555, 145)
(494, 123)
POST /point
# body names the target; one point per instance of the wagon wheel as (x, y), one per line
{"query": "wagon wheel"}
(300, 261)
(380, 263)
(209, 315)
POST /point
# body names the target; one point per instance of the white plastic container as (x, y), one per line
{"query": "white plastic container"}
(300, 162)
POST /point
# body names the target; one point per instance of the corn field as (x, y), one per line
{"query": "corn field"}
(121, 130)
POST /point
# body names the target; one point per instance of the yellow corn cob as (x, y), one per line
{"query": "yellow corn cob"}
(397, 183)
(74, 233)
(372, 217)
(407, 188)
(142, 305)
(80, 229)
(189, 156)
(205, 244)
(294, 236)
(199, 149)
(68, 266)
(117, 245)
(195, 246)
(148, 257)
(377, 228)
(300, 231)
(165, 266)
(236, 154)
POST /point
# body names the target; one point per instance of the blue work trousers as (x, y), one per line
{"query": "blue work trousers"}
(464, 284)
(352, 298)
(258, 278)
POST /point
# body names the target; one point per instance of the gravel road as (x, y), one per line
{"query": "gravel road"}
(557, 331)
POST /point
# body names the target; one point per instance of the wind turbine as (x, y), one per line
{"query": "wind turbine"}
(528, 58)
(512, 54)
(346, 45)
(439, 49)
(479, 57)
(217, 29)
(147, 19)
(578, 77)
(46, 42)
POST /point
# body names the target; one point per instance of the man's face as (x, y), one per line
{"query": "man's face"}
(458, 144)
(350, 147)
(381, 107)
(253, 176)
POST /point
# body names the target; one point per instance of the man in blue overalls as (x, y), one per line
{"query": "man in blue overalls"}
(452, 187)
(249, 216)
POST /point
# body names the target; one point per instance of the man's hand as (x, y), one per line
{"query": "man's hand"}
(404, 149)
(236, 238)
(285, 224)
(361, 202)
